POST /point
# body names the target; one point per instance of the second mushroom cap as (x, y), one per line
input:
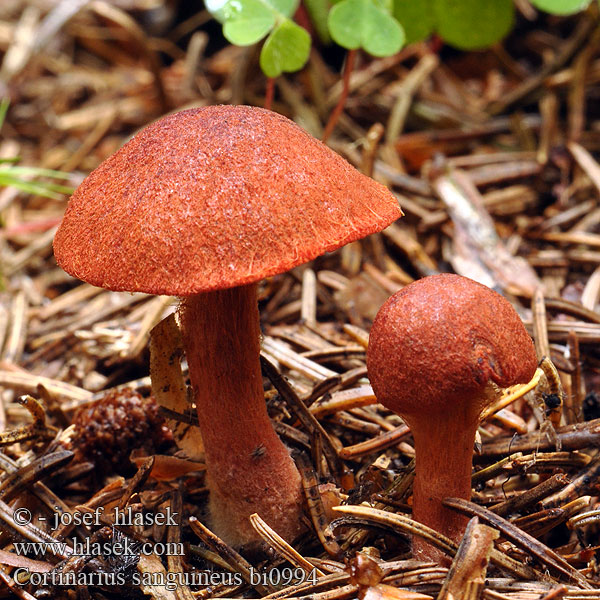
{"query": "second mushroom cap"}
(444, 338)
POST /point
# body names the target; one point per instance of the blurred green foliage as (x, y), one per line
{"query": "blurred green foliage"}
(379, 27)
(26, 178)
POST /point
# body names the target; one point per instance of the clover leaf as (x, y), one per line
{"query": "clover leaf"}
(363, 24)
(286, 49)
(416, 18)
(561, 7)
(246, 22)
(473, 24)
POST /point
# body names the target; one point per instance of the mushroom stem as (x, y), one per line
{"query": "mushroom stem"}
(248, 468)
(444, 453)
(435, 480)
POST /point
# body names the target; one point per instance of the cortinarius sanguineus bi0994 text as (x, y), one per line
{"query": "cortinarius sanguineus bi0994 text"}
(440, 351)
(203, 204)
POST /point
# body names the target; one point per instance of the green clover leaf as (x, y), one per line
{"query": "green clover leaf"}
(246, 22)
(363, 24)
(561, 7)
(473, 24)
(416, 18)
(286, 49)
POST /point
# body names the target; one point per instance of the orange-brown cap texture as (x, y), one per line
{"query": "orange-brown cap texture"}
(212, 198)
(444, 338)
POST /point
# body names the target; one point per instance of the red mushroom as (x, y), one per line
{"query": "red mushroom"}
(440, 351)
(202, 204)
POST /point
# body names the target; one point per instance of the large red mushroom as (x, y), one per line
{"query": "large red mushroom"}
(440, 351)
(203, 204)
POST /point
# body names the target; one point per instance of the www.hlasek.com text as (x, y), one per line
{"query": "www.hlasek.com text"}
(125, 546)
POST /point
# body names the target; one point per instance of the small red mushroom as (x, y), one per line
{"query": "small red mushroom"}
(440, 351)
(203, 204)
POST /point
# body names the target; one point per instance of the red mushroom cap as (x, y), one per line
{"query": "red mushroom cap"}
(212, 198)
(442, 339)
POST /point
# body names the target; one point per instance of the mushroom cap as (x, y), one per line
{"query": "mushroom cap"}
(212, 198)
(440, 341)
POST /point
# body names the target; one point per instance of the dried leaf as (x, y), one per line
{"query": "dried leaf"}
(470, 563)
(168, 385)
(169, 468)
(153, 577)
(478, 251)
